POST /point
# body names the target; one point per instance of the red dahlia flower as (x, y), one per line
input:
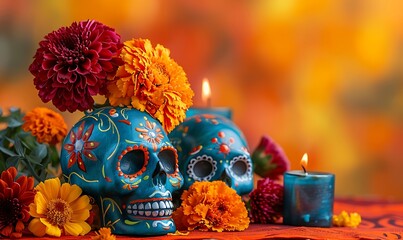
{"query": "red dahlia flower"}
(15, 197)
(266, 202)
(73, 64)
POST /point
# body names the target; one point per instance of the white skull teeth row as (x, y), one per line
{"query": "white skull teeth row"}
(148, 209)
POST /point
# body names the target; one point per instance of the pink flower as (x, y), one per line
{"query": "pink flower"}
(269, 159)
(266, 202)
(73, 64)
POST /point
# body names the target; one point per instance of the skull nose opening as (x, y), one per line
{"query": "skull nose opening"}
(159, 175)
(167, 164)
(226, 178)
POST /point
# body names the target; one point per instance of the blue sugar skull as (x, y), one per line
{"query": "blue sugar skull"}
(211, 147)
(123, 159)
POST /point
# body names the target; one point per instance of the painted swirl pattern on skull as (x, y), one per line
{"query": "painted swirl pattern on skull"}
(123, 159)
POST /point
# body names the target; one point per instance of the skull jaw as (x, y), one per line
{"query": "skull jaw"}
(144, 227)
(122, 220)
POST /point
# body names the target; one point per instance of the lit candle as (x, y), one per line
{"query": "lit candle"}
(308, 197)
(208, 109)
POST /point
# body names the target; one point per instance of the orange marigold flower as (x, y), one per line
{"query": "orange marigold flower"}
(151, 81)
(59, 209)
(104, 234)
(46, 125)
(15, 197)
(211, 206)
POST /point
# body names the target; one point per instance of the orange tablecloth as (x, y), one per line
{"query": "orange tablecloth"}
(380, 220)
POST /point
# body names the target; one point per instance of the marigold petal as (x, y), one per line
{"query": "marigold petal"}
(50, 188)
(46, 125)
(70, 193)
(211, 206)
(80, 215)
(40, 203)
(37, 227)
(73, 229)
(81, 203)
(6, 231)
(15, 235)
(51, 229)
(32, 210)
(85, 226)
(19, 226)
(27, 196)
(22, 181)
(8, 193)
(158, 84)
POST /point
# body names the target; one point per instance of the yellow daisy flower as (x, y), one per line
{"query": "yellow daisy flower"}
(59, 209)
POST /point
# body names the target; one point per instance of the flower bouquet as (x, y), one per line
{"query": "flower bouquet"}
(73, 65)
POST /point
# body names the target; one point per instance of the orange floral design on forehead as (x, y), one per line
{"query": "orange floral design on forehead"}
(151, 134)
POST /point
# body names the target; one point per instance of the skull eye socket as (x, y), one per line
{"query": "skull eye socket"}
(133, 163)
(168, 159)
(202, 168)
(240, 167)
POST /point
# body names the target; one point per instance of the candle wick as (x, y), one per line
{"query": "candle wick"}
(209, 102)
(304, 170)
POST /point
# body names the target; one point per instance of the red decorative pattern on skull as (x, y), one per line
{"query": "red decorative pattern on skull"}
(81, 146)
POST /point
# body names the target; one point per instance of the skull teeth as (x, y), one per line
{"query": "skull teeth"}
(148, 206)
(155, 205)
(148, 209)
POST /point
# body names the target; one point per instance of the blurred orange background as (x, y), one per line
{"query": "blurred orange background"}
(322, 77)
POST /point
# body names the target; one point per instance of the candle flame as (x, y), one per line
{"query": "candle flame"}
(206, 92)
(304, 162)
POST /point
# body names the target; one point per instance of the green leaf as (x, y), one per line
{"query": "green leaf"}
(2, 166)
(31, 170)
(39, 152)
(14, 110)
(54, 156)
(3, 134)
(34, 161)
(18, 147)
(10, 140)
(7, 151)
(13, 123)
(13, 161)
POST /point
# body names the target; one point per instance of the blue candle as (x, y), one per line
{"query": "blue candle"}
(222, 111)
(206, 98)
(308, 198)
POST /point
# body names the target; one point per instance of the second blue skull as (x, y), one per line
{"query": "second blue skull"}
(211, 147)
